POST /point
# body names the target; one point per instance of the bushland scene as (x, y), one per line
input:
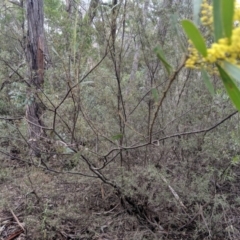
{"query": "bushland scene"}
(107, 130)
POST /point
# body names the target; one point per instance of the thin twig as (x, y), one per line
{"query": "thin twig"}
(173, 192)
(15, 217)
(171, 80)
(134, 146)
(14, 235)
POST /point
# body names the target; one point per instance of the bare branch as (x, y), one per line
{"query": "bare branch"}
(164, 95)
(20, 4)
(134, 146)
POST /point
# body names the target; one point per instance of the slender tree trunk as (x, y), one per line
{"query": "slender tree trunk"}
(35, 57)
(92, 10)
(114, 24)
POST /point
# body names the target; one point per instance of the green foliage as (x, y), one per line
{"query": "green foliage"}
(52, 9)
(155, 94)
(232, 89)
(233, 71)
(195, 36)
(223, 12)
(217, 20)
(223, 18)
(117, 136)
(227, 11)
(162, 58)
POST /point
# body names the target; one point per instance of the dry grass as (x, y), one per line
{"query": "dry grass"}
(64, 206)
(53, 206)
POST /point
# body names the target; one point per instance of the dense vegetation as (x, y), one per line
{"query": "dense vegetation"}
(124, 146)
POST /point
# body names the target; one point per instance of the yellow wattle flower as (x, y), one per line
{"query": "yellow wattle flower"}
(223, 50)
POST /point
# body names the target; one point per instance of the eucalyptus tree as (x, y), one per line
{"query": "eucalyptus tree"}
(35, 59)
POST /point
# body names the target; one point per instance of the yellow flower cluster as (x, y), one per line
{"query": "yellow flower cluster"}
(237, 12)
(206, 12)
(223, 50)
(194, 60)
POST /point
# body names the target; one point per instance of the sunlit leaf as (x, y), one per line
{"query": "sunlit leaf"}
(232, 89)
(227, 16)
(195, 36)
(217, 19)
(162, 58)
(232, 70)
(207, 82)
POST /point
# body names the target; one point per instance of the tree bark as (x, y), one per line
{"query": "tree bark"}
(114, 24)
(35, 57)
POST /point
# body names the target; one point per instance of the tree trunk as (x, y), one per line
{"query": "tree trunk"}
(114, 24)
(92, 10)
(35, 57)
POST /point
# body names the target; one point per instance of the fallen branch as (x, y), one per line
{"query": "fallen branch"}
(15, 217)
(15, 234)
(173, 192)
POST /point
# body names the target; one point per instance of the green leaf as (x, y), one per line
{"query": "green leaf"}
(117, 136)
(196, 10)
(227, 16)
(232, 70)
(155, 94)
(217, 19)
(232, 89)
(162, 58)
(195, 36)
(207, 82)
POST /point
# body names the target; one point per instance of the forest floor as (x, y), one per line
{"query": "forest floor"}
(38, 204)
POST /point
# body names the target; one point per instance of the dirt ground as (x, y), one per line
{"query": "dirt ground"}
(37, 204)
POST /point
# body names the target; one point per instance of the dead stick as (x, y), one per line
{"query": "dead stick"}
(15, 217)
(14, 235)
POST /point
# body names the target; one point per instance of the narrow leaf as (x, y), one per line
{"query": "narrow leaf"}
(117, 136)
(196, 10)
(232, 70)
(155, 94)
(232, 89)
(195, 36)
(217, 19)
(162, 58)
(227, 16)
(207, 82)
